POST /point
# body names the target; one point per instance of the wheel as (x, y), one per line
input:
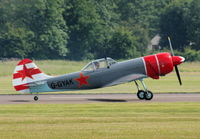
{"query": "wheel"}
(141, 94)
(148, 95)
(35, 98)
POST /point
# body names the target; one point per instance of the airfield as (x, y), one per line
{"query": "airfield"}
(108, 113)
(96, 98)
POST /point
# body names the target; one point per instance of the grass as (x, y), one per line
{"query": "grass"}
(50, 67)
(190, 73)
(100, 121)
(190, 67)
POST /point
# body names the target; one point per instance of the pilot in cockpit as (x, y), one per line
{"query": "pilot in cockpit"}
(96, 65)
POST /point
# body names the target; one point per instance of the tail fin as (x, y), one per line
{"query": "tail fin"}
(26, 72)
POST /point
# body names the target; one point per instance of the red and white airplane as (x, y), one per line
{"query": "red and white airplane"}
(28, 78)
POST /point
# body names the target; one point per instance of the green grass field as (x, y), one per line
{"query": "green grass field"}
(100, 121)
(142, 120)
(190, 73)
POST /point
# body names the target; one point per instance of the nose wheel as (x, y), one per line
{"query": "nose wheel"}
(143, 94)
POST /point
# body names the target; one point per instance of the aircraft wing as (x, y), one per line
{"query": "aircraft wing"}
(128, 78)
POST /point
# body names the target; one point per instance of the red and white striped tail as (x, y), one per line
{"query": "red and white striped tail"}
(26, 72)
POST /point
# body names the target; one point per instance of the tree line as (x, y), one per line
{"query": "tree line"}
(89, 29)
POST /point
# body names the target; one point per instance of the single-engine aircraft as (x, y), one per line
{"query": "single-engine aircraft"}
(28, 78)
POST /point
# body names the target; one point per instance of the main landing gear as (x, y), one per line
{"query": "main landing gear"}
(143, 94)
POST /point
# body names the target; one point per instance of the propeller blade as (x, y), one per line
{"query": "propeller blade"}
(170, 44)
(176, 67)
(178, 75)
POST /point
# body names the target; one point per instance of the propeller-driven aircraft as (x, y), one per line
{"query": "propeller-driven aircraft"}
(28, 78)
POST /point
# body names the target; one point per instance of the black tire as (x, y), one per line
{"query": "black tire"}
(141, 94)
(148, 95)
(35, 98)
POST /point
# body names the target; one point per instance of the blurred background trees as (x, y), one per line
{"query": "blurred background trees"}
(89, 29)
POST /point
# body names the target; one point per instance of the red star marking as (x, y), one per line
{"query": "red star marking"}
(26, 72)
(82, 80)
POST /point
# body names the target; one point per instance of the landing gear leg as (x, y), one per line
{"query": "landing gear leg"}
(143, 94)
(140, 93)
(148, 94)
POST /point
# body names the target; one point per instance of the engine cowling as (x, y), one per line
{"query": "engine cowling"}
(161, 64)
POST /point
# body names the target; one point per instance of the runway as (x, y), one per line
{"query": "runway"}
(96, 98)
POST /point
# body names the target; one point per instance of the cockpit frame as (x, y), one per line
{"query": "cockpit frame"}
(102, 63)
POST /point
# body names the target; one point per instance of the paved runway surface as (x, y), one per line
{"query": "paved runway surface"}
(95, 98)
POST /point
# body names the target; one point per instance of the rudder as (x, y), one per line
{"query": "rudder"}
(26, 72)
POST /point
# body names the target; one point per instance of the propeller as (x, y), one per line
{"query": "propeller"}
(176, 67)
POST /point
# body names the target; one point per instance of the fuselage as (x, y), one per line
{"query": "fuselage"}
(95, 79)
(28, 78)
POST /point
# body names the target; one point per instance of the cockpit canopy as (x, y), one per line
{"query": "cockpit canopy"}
(99, 64)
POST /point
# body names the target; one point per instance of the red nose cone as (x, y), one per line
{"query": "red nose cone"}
(177, 60)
